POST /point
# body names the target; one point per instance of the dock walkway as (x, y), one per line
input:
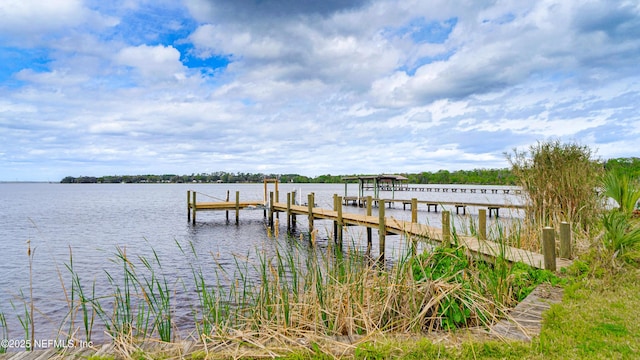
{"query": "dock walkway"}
(494, 209)
(484, 248)
(389, 225)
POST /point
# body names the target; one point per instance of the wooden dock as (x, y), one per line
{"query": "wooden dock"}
(193, 207)
(393, 183)
(385, 226)
(494, 209)
(412, 229)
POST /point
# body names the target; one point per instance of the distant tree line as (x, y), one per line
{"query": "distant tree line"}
(504, 176)
(480, 176)
(629, 166)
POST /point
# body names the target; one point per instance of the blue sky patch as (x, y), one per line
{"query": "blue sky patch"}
(192, 61)
(411, 69)
(14, 60)
(422, 31)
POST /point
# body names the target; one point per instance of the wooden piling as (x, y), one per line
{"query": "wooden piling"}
(549, 248)
(565, 240)
(310, 202)
(414, 219)
(482, 224)
(271, 209)
(288, 211)
(277, 199)
(369, 230)
(226, 212)
(193, 211)
(188, 206)
(382, 228)
(414, 210)
(337, 204)
(446, 228)
(293, 216)
(237, 207)
(335, 222)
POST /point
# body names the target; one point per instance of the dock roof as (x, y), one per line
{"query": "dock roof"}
(375, 177)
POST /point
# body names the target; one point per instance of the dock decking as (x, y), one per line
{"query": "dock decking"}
(193, 206)
(493, 208)
(483, 248)
(389, 225)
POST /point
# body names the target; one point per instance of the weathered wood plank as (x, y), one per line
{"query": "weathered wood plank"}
(486, 248)
(525, 320)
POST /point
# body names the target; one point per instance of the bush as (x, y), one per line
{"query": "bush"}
(560, 182)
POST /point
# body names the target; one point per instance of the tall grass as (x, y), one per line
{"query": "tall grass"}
(4, 333)
(287, 290)
(560, 183)
(27, 318)
(79, 301)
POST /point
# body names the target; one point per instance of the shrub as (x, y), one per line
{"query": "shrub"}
(560, 182)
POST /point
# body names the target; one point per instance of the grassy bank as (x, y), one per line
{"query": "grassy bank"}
(296, 302)
(596, 320)
(288, 294)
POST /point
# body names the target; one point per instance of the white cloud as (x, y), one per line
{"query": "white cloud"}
(159, 61)
(38, 16)
(32, 22)
(310, 87)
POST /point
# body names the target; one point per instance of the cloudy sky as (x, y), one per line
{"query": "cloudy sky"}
(92, 87)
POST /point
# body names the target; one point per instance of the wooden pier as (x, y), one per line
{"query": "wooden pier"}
(193, 207)
(389, 225)
(494, 209)
(393, 183)
(414, 230)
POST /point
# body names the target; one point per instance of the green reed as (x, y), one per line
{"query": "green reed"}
(4, 333)
(157, 295)
(84, 303)
(26, 320)
(287, 287)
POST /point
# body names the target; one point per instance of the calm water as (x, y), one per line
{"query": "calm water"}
(94, 220)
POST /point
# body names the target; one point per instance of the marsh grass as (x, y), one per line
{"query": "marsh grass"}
(79, 302)
(560, 182)
(28, 305)
(290, 294)
(4, 332)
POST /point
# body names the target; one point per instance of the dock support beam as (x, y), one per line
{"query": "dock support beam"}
(237, 206)
(226, 213)
(414, 210)
(271, 209)
(482, 224)
(549, 248)
(337, 225)
(310, 202)
(193, 208)
(293, 216)
(369, 230)
(382, 229)
(188, 205)
(446, 228)
(288, 211)
(565, 240)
